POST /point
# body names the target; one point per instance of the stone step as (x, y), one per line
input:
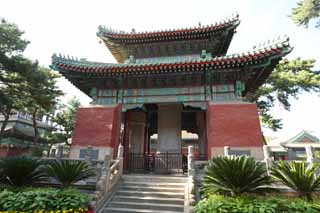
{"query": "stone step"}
(126, 210)
(151, 206)
(159, 184)
(150, 194)
(154, 178)
(175, 201)
(151, 189)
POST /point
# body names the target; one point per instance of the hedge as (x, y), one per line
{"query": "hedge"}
(44, 200)
(246, 204)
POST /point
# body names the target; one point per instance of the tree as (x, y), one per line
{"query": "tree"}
(9, 101)
(64, 121)
(11, 46)
(12, 65)
(306, 11)
(287, 80)
(40, 94)
(24, 84)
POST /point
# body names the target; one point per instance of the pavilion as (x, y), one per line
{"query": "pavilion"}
(170, 81)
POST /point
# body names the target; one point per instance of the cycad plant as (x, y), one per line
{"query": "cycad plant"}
(68, 172)
(20, 171)
(235, 175)
(300, 177)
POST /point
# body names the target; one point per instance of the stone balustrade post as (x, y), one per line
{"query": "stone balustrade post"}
(102, 185)
(120, 158)
(120, 151)
(190, 161)
(107, 162)
(267, 157)
(226, 151)
(310, 155)
(191, 189)
(60, 152)
(191, 173)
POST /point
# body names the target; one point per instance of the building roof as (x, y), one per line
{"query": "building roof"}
(214, 38)
(264, 56)
(20, 136)
(302, 139)
(303, 136)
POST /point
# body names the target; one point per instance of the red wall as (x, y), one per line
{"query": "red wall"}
(234, 125)
(97, 126)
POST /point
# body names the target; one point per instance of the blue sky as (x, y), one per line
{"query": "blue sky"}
(70, 27)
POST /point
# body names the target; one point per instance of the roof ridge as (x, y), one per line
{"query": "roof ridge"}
(234, 18)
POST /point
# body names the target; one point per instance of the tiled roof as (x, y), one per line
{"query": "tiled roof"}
(276, 48)
(214, 38)
(167, 35)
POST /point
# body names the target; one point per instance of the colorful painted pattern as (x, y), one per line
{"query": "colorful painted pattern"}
(162, 95)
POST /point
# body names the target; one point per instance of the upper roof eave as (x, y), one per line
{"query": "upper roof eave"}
(114, 36)
(123, 44)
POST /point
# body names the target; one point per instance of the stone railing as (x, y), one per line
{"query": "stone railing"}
(189, 200)
(111, 173)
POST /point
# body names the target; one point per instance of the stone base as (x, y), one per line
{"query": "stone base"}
(102, 151)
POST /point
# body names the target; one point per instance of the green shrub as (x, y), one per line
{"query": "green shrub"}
(20, 171)
(40, 199)
(219, 204)
(235, 176)
(68, 172)
(298, 176)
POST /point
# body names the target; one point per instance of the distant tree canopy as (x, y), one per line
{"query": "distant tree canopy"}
(305, 11)
(287, 80)
(65, 120)
(24, 85)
